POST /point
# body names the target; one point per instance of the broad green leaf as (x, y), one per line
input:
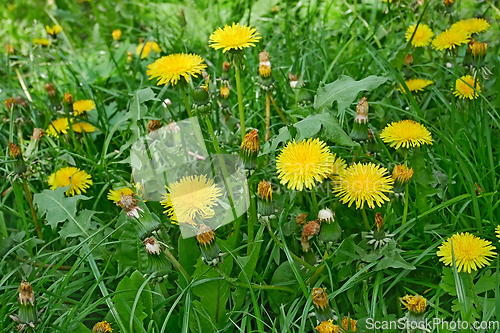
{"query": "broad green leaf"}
(130, 252)
(188, 253)
(327, 126)
(283, 276)
(77, 226)
(80, 328)
(56, 206)
(344, 90)
(125, 296)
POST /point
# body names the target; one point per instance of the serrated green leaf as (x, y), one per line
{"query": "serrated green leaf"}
(326, 125)
(56, 206)
(344, 90)
(77, 226)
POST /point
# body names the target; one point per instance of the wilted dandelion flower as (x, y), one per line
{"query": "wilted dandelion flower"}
(83, 127)
(148, 47)
(102, 327)
(415, 85)
(302, 163)
(415, 304)
(79, 107)
(116, 195)
(363, 183)
(449, 39)
(57, 127)
(171, 68)
(478, 48)
(464, 88)
(406, 134)
(190, 198)
(41, 41)
(422, 37)
(471, 252)
(402, 174)
(328, 327)
(471, 25)
(79, 180)
(349, 324)
(234, 37)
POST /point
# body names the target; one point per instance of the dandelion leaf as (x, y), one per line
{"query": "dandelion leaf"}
(326, 125)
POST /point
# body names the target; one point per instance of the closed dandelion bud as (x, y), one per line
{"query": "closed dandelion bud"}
(208, 245)
(265, 206)
(479, 49)
(68, 98)
(28, 315)
(102, 327)
(360, 129)
(202, 103)
(275, 9)
(321, 305)
(448, 2)
(116, 34)
(311, 229)
(9, 49)
(249, 149)
(264, 71)
(330, 229)
(146, 224)
(379, 237)
(51, 90)
(401, 175)
(266, 80)
(327, 326)
(181, 18)
(264, 59)
(225, 73)
(349, 324)
(10, 103)
(21, 101)
(153, 125)
(408, 73)
(294, 79)
(19, 164)
(129, 56)
(301, 218)
(409, 60)
(224, 101)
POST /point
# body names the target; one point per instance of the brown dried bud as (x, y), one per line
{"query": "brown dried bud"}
(409, 60)
(301, 218)
(51, 90)
(362, 111)
(38, 133)
(10, 102)
(320, 298)
(152, 246)
(311, 229)
(264, 59)
(68, 98)
(153, 125)
(205, 235)
(21, 101)
(225, 66)
(14, 151)
(26, 294)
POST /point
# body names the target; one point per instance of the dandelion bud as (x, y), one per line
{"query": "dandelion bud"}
(409, 60)
(68, 98)
(401, 175)
(265, 206)
(266, 81)
(166, 103)
(407, 71)
(416, 306)
(360, 129)
(225, 74)
(264, 71)
(145, 223)
(153, 125)
(116, 34)
(102, 327)
(202, 103)
(21, 101)
(54, 31)
(28, 315)
(330, 229)
(129, 56)
(311, 229)
(157, 261)
(321, 305)
(249, 149)
(449, 2)
(349, 324)
(10, 102)
(478, 49)
(264, 59)
(9, 49)
(224, 92)
(275, 9)
(379, 222)
(294, 79)
(16, 154)
(208, 245)
(129, 204)
(379, 237)
(51, 91)
(327, 326)
(301, 218)
(181, 18)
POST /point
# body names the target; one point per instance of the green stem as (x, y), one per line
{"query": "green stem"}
(405, 210)
(253, 285)
(240, 101)
(251, 220)
(177, 265)
(314, 201)
(186, 101)
(365, 219)
(294, 256)
(32, 208)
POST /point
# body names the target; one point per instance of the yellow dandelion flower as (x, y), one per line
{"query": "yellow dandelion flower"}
(82, 106)
(190, 198)
(471, 26)
(328, 327)
(79, 180)
(41, 41)
(234, 37)
(147, 48)
(415, 304)
(497, 231)
(402, 174)
(337, 167)
(102, 327)
(362, 183)
(171, 68)
(464, 87)
(471, 252)
(54, 31)
(406, 133)
(349, 324)
(449, 39)
(116, 195)
(302, 163)
(422, 36)
(116, 34)
(83, 127)
(57, 127)
(415, 85)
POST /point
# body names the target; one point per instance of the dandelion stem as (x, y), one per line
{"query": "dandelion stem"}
(294, 256)
(268, 115)
(277, 109)
(314, 201)
(32, 208)
(405, 209)
(365, 219)
(177, 265)
(240, 100)
(186, 101)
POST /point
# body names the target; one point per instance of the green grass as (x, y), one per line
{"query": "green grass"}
(84, 269)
